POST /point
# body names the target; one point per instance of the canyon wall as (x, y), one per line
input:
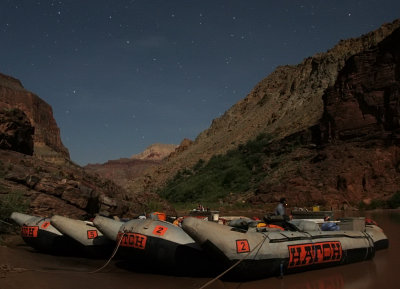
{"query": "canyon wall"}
(46, 138)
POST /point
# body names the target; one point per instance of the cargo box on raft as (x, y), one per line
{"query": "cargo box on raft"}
(256, 255)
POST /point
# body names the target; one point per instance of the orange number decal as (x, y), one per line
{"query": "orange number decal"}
(242, 246)
(29, 231)
(45, 225)
(160, 230)
(92, 234)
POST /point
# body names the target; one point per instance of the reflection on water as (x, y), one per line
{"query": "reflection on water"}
(335, 281)
(380, 272)
(353, 276)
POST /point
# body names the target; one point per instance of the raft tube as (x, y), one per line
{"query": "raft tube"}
(38, 233)
(156, 245)
(93, 241)
(379, 238)
(109, 227)
(265, 254)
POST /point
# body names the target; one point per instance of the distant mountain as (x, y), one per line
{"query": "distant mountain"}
(123, 170)
(156, 152)
(332, 125)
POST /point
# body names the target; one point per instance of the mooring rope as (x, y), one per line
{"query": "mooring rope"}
(6, 222)
(370, 243)
(68, 269)
(233, 266)
(112, 256)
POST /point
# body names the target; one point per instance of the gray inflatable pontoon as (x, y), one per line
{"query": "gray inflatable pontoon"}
(155, 244)
(272, 253)
(93, 241)
(41, 235)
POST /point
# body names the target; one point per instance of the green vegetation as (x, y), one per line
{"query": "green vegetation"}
(154, 206)
(394, 201)
(187, 206)
(209, 182)
(11, 202)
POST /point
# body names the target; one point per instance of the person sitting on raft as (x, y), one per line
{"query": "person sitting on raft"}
(280, 209)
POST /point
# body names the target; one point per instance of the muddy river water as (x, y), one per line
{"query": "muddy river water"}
(21, 267)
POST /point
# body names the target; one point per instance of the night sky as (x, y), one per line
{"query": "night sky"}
(122, 75)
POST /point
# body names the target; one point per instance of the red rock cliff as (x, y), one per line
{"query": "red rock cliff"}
(357, 157)
(286, 102)
(47, 140)
(365, 98)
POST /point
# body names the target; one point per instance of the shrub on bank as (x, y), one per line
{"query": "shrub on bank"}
(237, 171)
(11, 202)
(394, 201)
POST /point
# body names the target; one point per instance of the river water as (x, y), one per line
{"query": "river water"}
(42, 271)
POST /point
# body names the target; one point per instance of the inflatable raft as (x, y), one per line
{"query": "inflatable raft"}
(92, 241)
(40, 234)
(155, 244)
(276, 252)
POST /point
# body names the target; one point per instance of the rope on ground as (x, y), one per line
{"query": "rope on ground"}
(112, 256)
(233, 266)
(65, 269)
(6, 222)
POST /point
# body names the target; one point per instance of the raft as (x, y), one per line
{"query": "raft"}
(40, 234)
(156, 245)
(92, 241)
(256, 255)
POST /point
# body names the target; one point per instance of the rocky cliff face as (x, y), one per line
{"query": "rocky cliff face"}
(52, 189)
(16, 132)
(35, 166)
(47, 141)
(333, 100)
(365, 98)
(122, 170)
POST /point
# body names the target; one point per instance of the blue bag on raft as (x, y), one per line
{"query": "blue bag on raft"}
(330, 226)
